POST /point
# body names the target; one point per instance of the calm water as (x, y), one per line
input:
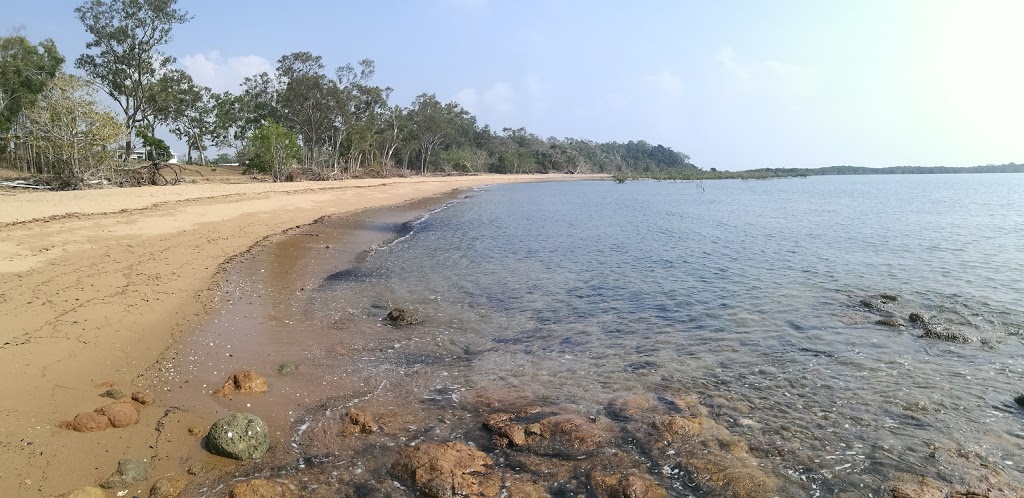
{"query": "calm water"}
(746, 295)
(758, 300)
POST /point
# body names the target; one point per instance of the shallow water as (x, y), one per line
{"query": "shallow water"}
(758, 298)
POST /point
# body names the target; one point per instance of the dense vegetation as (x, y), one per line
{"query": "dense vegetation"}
(301, 120)
(769, 173)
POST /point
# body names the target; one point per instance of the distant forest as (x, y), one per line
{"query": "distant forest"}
(770, 173)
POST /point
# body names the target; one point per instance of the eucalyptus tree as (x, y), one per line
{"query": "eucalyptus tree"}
(125, 56)
(305, 101)
(187, 109)
(433, 125)
(25, 71)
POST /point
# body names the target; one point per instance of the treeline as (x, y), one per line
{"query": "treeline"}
(767, 173)
(300, 121)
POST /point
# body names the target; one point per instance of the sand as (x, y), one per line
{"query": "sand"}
(95, 285)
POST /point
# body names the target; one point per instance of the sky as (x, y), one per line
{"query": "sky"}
(734, 84)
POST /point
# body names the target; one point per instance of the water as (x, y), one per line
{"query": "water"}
(756, 299)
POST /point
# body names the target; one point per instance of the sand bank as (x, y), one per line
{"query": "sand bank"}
(95, 285)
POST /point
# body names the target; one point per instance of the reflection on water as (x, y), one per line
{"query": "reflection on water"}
(775, 315)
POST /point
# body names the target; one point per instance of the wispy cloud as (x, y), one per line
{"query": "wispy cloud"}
(505, 98)
(220, 73)
(772, 76)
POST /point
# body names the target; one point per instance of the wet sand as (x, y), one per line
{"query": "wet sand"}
(97, 287)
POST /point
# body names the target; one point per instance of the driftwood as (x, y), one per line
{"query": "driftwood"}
(22, 184)
(156, 173)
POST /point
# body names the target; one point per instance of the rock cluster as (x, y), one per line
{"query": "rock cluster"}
(120, 414)
(244, 381)
(447, 470)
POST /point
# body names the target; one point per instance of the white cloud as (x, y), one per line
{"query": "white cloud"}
(500, 98)
(220, 74)
(505, 98)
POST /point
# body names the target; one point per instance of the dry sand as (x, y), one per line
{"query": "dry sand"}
(95, 285)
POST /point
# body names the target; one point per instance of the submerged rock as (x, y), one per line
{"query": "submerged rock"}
(129, 471)
(1019, 400)
(287, 368)
(262, 488)
(569, 436)
(400, 316)
(890, 322)
(142, 397)
(945, 335)
(526, 490)
(90, 422)
(241, 436)
(86, 492)
(120, 414)
(112, 393)
(360, 422)
(446, 470)
(916, 317)
(168, 487)
(245, 381)
(890, 298)
(910, 486)
(632, 485)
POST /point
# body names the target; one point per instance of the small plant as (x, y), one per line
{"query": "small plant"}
(620, 177)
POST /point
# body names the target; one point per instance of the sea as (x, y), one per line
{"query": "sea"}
(846, 332)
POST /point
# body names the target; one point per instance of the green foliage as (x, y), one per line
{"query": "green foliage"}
(225, 158)
(272, 149)
(156, 149)
(25, 71)
(186, 108)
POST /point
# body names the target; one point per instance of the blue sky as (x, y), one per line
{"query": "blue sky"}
(735, 84)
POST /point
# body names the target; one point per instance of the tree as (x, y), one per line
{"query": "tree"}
(71, 131)
(187, 109)
(25, 70)
(434, 124)
(272, 149)
(126, 37)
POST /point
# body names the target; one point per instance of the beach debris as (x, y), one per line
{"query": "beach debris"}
(120, 414)
(169, 486)
(911, 486)
(129, 471)
(142, 397)
(287, 368)
(632, 485)
(262, 488)
(890, 321)
(446, 470)
(86, 492)
(244, 381)
(90, 422)
(112, 393)
(240, 436)
(400, 316)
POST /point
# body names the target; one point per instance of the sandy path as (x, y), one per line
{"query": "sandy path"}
(95, 285)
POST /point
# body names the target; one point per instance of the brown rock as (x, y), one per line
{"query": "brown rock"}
(527, 490)
(90, 422)
(401, 316)
(112, 393)
(629, 406)
(911, 486)
(120, 414)
(360, 422)
(565, 436)
(627, 486)
(444, 470)
(86, 492)
(142, 397)
(505, 431)
(262, 488)
(245, 381)
(168, 487)
(195, 431)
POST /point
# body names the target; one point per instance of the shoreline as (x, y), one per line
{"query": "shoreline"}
(96, 294)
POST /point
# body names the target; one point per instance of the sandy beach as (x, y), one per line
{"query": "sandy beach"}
(96, 285)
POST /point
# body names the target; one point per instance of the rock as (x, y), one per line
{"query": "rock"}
(869, 304)
(112, 393)
(890, 298)
(910, 486)
(360, 423)
(444, 470)
(195, 431)
(120, 414)
(245, 381)
(626, 407)
(564, 436)
(627, 486)
(142, 397)
(168, 487)
(241, 436)
(527, 490)
(90, 422)
(1019, 400)
(262, 488)
(129, 471)
(916, 317)
(399, 316)
(86, 492)
(198, 469)
(890, 322)
(287, 368)
(945, 335)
